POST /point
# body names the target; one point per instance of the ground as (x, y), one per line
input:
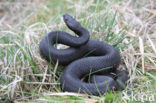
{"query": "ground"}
(128, 25)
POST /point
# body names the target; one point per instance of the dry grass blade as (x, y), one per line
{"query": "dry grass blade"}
(91, 100)
(65, 94)
(12, 85)
(142, 53)
(44, 77)
(55, 69)
(152, 44)
(40, 83)
(6, 45)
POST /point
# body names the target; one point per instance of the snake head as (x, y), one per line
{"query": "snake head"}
(71, 22)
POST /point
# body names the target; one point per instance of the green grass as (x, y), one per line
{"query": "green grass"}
(26, 77)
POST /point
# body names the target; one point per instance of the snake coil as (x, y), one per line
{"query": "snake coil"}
(100, 66)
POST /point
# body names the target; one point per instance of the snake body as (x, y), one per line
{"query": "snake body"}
(99, 66)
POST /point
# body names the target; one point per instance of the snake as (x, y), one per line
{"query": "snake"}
(91, 65)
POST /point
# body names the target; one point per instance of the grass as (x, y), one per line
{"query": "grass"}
(128, 25)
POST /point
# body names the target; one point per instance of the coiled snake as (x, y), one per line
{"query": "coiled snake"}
(99, 68)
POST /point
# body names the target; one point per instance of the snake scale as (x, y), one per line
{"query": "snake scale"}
(100, 67)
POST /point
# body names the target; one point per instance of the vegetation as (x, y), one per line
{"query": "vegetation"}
(129, 25)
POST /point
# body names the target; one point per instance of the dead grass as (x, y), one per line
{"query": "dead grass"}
(25, 76)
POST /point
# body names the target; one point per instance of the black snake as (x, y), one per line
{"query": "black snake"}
(99, 67)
